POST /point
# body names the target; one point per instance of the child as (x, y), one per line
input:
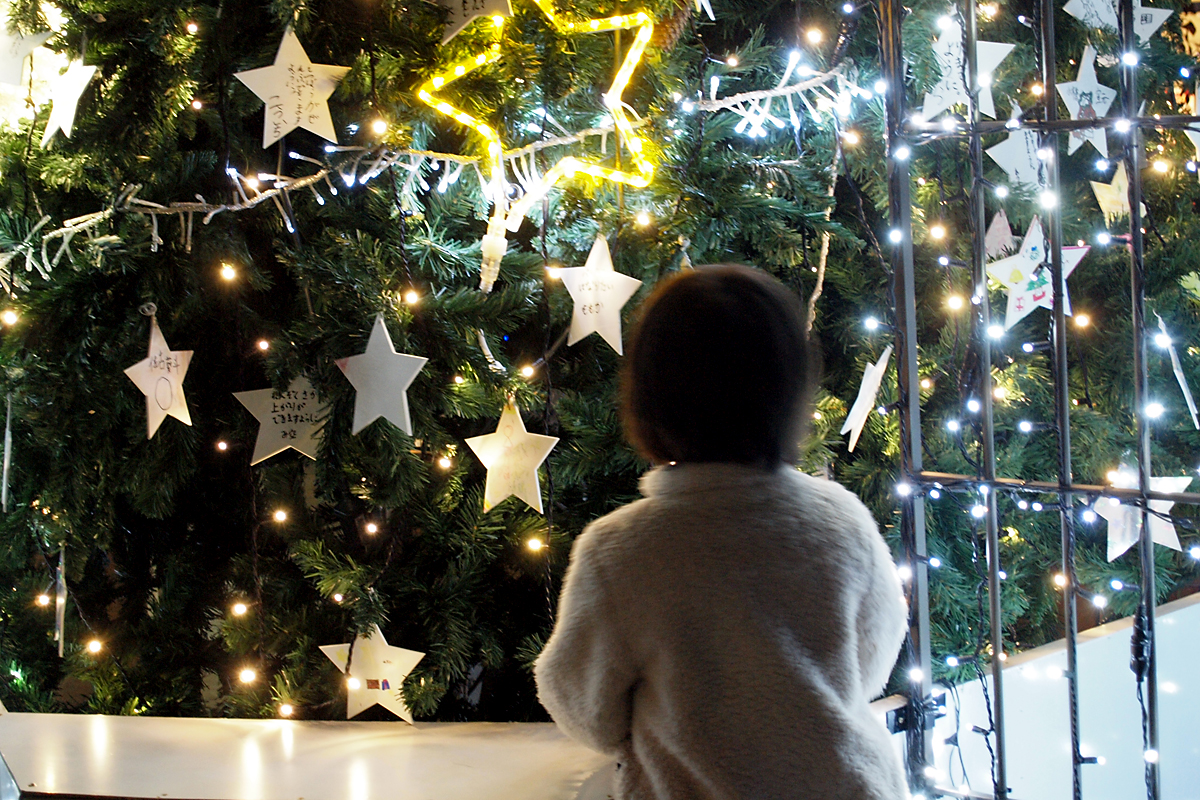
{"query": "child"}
(722, 637)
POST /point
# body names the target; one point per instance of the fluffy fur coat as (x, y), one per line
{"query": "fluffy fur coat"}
(722, 638)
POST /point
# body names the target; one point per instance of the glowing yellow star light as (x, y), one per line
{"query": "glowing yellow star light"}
(495, 243)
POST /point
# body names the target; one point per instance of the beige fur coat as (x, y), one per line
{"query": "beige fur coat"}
(723, 636)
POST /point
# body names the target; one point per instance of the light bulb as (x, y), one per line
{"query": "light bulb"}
(527, 371)
(979, 511)
(1025, 426)
(459, 380)
(934, 494)
(411, 297)
(851, 138)
(1162, 340)
(9, 317)
(935, 562)
(995, 331)
(938, 231)
(1151, 756)
(1100, 601)
(1044, 153)
(379, 127)
(239, 609)
(535, 544)
(881, 87)
(905, 572)
(1194, 551)
(95, 646)
(1129, 59)
(1037, 90)
(193, 28)
(903, 489)
(1048, 199)
(338, 597)
(1082, 320)
(264, 345)
(1023, 504)
(1161, 166)
(286, 710)
(1117, 584)
(814, 35)
(1000, 393)
(953, 426)
(642, 219)
(732, 61)
(952, 661)
(280, 515)
(445, 463)
(353, 684)
(926, 383)
(197, 104)
(847, 8)
(1184, 72)
(871, 324)
(1154, 410)
(1088, 516)
(228, 272)
(1122, 126)
(902, 153)
(895, 236)
(916, 675)
(371, 527)
(1060, 580)
(1002, 192)
(43, 599)
(1036, 506)
(1101, 164)
(222, 446)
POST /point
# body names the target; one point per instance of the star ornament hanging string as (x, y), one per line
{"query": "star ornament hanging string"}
(494, 243)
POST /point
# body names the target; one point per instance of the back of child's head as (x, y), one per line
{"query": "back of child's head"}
(718, 369)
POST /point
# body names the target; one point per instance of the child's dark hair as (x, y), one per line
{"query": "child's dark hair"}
(719, 369)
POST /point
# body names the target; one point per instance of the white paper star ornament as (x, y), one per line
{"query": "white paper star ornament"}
(160, 377)
(65, 92)
(599, 292)
(291, 418)
(15, 48)
(1027, 280)
(1087, 98)
(376, 675)
(950, 90)
(1103, 14)
(1017, 156)
(1113, 198)
(295, 90)
(864, 404)
(461, 13)
(512, 457)
(999, 237)
(381, 378)
(1125, 520)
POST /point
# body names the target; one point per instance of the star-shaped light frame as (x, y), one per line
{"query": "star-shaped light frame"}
(568, 166)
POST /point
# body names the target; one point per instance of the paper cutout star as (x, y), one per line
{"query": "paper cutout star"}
(459, 15)
(512, 457)
(950, 90)
(295, 90)
(290, 418)
(1017, 155)
(1180, 376)
(14, 49)
(381, 378)
(1087, 98)
(706, 6)
(1194, 136)
(1113, 198)
(377, 673)
(599, 292)
(999, 237)
(1125, 521)
(65, 92)
(864, 404)
(1026, 275)
(1103, 14)
(160, 377)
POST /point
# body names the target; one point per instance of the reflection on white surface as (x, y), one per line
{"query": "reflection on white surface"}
(360, 779)
(98, 757)
(288, 740)
(251, 783)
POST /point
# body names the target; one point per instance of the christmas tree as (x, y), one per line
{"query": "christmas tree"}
(427, 198)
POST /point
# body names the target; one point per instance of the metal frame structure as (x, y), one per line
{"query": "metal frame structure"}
(902, 131)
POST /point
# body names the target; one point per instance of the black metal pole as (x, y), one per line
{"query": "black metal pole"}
(920, 750)
(1062, 398)
(1137, 273)
(988, 464)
